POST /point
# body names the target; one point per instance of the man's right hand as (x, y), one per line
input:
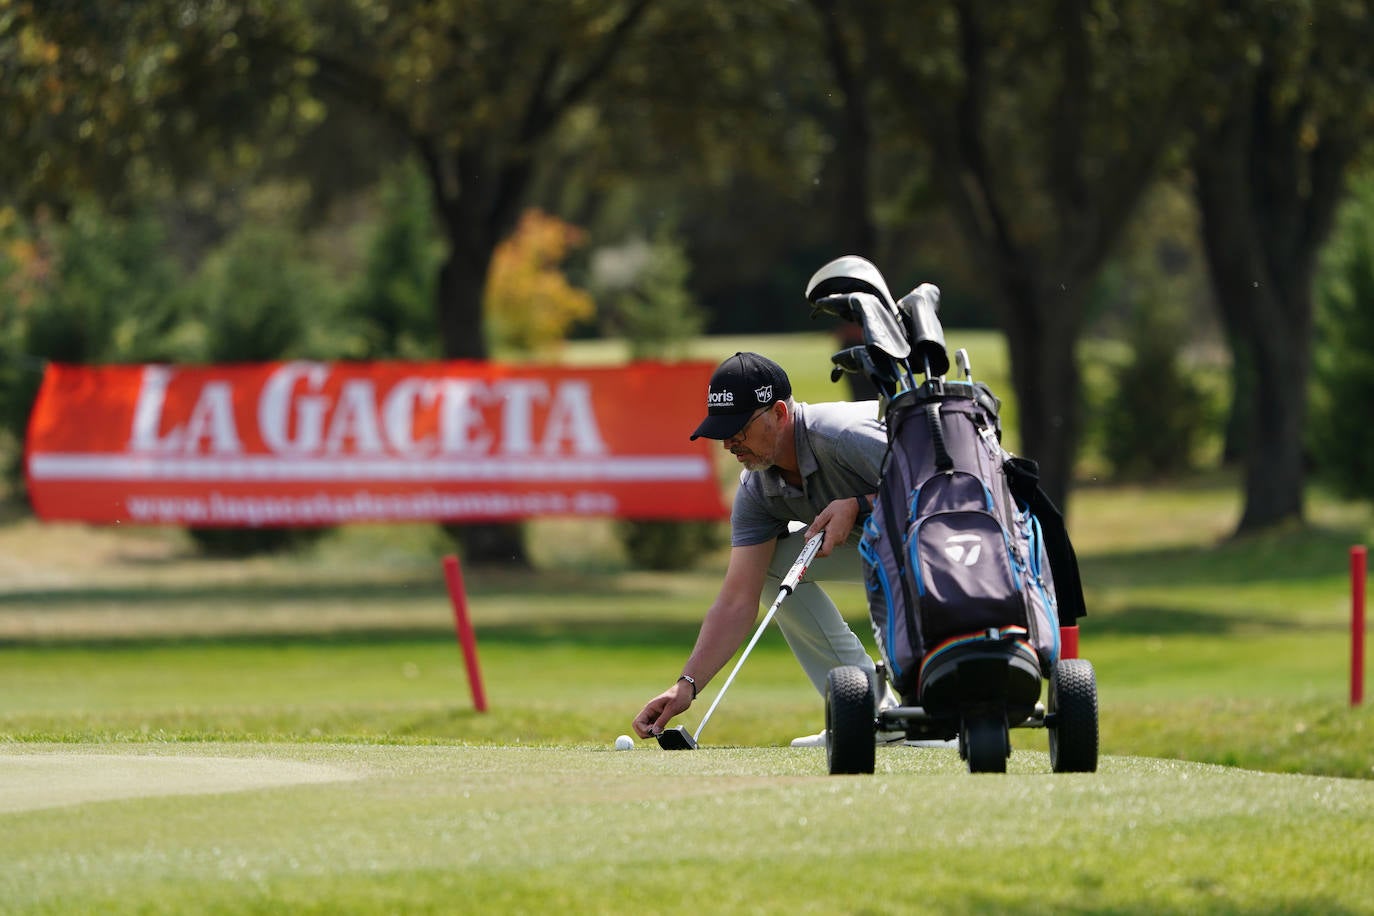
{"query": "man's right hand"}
(655, 716)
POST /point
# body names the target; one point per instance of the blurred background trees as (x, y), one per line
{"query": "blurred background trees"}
(349, 172)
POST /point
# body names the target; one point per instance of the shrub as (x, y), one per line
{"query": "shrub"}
(1339, 432)
(530, 305)
(258, 298)
(96, 289)
(1157, 413)
(645, 285)
(391, 313)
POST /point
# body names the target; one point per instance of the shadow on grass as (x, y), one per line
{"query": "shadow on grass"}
(629, 634)
(250, 593)
(1149, 620)
(1288, 555)
(617, 633)
(372, 588)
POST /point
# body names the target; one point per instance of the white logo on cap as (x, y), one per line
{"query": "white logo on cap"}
(717, 398)
(764, 394)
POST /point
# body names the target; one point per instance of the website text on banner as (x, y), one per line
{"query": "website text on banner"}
(302, 443)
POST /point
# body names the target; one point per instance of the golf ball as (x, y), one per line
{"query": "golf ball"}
(624, 743)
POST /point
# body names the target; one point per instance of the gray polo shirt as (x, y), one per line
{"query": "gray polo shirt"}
(840, 450)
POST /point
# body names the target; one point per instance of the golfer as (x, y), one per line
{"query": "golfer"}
(814, 464)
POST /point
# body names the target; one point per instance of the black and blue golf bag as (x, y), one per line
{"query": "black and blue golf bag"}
(950, 556)
(969, 571)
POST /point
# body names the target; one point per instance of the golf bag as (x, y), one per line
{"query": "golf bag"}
(949, 553)
(963, 549)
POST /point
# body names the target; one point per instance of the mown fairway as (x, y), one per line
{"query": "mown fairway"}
(588, 830)
(295, 734)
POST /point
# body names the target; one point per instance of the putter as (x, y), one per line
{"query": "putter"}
(678, 738)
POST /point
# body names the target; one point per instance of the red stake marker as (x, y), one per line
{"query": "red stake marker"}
(1068, 642)
(1357, 582)
(466, 638)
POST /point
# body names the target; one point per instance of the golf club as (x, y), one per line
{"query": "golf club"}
(962, 363)
(678, 738)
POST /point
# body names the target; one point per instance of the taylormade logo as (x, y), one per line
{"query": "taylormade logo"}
(719, 398)
(964, 548)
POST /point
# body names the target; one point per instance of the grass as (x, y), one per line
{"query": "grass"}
(295, 733)
(1207, 649)
(376, 828)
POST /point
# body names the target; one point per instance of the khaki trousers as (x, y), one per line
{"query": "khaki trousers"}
(809, 620)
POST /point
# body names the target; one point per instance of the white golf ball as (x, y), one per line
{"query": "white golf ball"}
(624, 743)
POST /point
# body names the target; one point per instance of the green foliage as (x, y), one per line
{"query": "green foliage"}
(393, 307)
(258, 298)
(110, 295)
(646, 296)
(98, 289)
(113, 99)
(643, 287)
(1341, 437)
(668, 545)
(1157, 413)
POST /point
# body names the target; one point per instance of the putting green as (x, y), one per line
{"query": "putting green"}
(32, 781)
(368, 828)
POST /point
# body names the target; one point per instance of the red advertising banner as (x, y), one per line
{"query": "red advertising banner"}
(304, 443)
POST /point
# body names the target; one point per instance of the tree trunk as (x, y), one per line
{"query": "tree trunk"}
(847, 186)
(1267, 197)
(1274, 472)
(1236, 434)
(462, 288)
(1273, 337)
(1273, 330)
(1045, 377)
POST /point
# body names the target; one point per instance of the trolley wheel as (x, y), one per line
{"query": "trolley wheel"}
(985, 743)
(850, 728)
(1073, 703)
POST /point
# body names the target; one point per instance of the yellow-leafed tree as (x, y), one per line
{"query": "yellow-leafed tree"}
(530, 305)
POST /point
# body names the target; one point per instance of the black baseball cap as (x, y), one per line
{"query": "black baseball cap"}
(739, 386)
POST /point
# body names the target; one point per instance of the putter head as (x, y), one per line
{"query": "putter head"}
(676, 738)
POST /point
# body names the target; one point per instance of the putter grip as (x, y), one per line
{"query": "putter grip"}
(808, 553)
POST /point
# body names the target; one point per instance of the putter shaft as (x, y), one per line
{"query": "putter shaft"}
(789, 583)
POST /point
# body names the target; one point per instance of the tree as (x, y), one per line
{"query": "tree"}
(475, 87)
(1151, 410)
(113, 99)
(94, 288)
(392, 309)
(257, 298)
(1046, 121)
(530, 303)
(1270, 170)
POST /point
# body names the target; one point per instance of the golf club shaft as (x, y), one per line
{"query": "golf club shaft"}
(734, 671)
(789, 582)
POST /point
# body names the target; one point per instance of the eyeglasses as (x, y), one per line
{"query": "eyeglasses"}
(738, 437)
